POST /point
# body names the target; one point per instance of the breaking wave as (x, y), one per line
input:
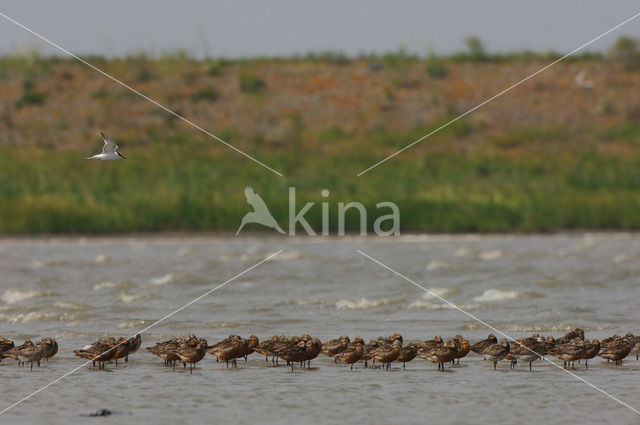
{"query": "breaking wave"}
(11, 296)
(36, 316)
(128, 297)
(501, 294)
(364, 303)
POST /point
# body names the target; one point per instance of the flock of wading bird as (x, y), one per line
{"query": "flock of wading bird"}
(568, 348)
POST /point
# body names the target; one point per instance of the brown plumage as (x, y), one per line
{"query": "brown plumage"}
(50, 347)
(407, 353)
(335, 346)
(99, 351)
(387, 354)
(230, 349)
(166, 350)
(527, 350)
(570, 336)
(367, 349)
(292, 353)
(26, 353)
(192, 352)
(479, 346)
(462, 347)
(122, 347)
(351, 355)
(134, 344)
(252, 342)
(569, 352)
(428, 344)
(617, 348)
(314, 346)
(495, 352)
(591, 350)
(440, 354)
(5, 345)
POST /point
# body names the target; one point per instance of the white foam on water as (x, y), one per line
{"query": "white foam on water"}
(11, 296)
(463, 252)
(440, 305)
(101, 259)
(134, 323)
(438, 264)
(129, 297)
(442, 292)
(36, 316)
(69, 305)
(220, 325)
(107, 284)
(162, 280)
(490, 255)
(495, 294)
(364, 303)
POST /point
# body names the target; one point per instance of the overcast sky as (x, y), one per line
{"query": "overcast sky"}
(288, 27)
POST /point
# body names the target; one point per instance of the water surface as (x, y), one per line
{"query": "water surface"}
(77, 290)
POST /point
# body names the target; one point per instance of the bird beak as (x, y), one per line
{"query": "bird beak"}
(121, 156)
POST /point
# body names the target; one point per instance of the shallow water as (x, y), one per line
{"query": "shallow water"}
(77, 290)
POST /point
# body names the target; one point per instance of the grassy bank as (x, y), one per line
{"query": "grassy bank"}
(548, 156)
(174, 188)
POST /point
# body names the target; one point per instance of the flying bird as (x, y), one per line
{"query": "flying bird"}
(109, 150)
(260, 213)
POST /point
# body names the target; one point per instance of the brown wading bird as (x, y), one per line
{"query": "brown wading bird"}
(285, 345)
(387, 354)
(99, 351)
(252, 342)
(617, 348)
(229, 350)
(367, 349)
(26, 353)
(123, 348)
(591, 350)
(314, 346)
(495, 352)
(50, 348)
(134, 343)
(192, 352)
(351, 355)
(484, 343)
(5, 345)
(335, 346)
(292, 353)
(440, 354)
(266, 347)
(407, 353)
(569, 352)
(462, 347)
(526, 350)
(166, 350)
(570, 336)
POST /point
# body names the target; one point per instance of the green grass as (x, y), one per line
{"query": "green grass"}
(192, 187)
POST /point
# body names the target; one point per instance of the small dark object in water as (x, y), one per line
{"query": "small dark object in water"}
(101, 412)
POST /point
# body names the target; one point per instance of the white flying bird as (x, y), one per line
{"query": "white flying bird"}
(109, 150)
